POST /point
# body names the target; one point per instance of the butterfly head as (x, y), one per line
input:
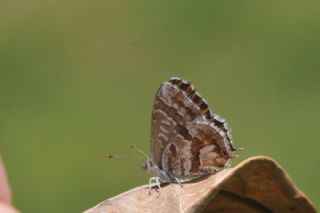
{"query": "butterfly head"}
(149, 166)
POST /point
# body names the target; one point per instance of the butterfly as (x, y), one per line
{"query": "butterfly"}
(188, 140)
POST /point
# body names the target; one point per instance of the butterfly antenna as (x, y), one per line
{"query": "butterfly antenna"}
(123, 156)
(138, 150)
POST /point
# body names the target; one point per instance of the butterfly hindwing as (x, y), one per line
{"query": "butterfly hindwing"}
(199, 151)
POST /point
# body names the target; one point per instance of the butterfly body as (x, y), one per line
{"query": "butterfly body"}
(187, 139)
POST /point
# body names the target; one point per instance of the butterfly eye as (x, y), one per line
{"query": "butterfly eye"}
(144, 166)
(147, 165)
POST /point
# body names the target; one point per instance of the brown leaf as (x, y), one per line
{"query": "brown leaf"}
(258, 184)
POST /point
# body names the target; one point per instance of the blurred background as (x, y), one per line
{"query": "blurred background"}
(78, 78)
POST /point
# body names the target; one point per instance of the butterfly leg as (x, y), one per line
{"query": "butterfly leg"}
(228, 164)
(150, 183)
(178, 181)
(157, 180)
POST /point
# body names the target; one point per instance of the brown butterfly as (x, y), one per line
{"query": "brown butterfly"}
(188, 140)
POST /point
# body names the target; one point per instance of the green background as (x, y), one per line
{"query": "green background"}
(78, 78)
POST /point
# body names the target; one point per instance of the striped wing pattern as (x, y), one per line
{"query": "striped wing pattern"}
(187, 138)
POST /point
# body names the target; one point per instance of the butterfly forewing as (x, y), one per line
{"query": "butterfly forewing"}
(171, 112)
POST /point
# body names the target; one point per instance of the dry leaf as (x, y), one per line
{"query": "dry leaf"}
(257, 184)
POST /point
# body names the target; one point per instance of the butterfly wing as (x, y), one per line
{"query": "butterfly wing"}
(176, 105)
